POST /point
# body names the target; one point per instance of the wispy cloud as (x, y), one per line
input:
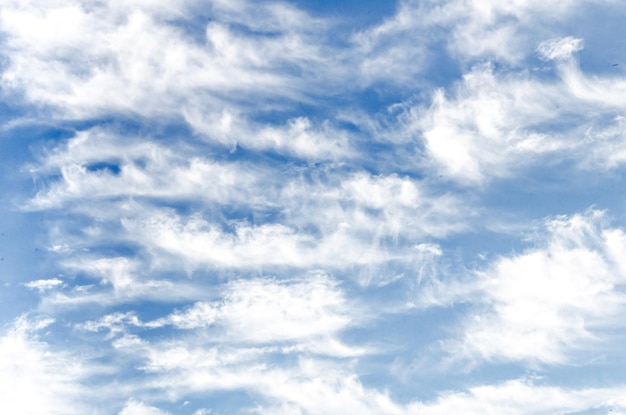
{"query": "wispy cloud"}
(256, 311)
(498, 123)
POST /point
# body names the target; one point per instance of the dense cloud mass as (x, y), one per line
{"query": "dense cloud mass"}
(312, 208)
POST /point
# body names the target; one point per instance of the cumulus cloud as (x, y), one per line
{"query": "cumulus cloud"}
(490, 126)
(35, 378)
(493, 125)
(553, 303)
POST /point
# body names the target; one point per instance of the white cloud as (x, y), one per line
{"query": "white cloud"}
(170, 216)
(267, 311)
(119, 272)
(401, 46)
(120, 184)
(297, 137)
(308, 312)
(553, 303)
(513, 397)
(87, 60)
(505, 111)
(606, 94)
(133, 407)
(561, 48)
(157, 76)
(495, 124)
(199, 243)
(136, 167)
(517, 397)
(378, 205)
(309, 385)
(313, 385)
(388, 52)
(607, 145)
(118, 280)
(500, 30)
(339, 222)
(44, 285)
(34, 378)
(336, 393)
(320, 387)
(489, 127)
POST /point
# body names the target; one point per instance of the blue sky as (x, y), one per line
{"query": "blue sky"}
(312, 207)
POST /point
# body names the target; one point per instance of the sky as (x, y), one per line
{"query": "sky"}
(226, 207)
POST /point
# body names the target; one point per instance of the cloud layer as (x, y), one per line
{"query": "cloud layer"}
(268, 207)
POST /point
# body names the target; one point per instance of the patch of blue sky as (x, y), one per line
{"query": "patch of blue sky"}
(546, 191)
(221, 402)
(604, 45)
(413, 363)
(366, 13)
(20, 232)
(15, 298)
